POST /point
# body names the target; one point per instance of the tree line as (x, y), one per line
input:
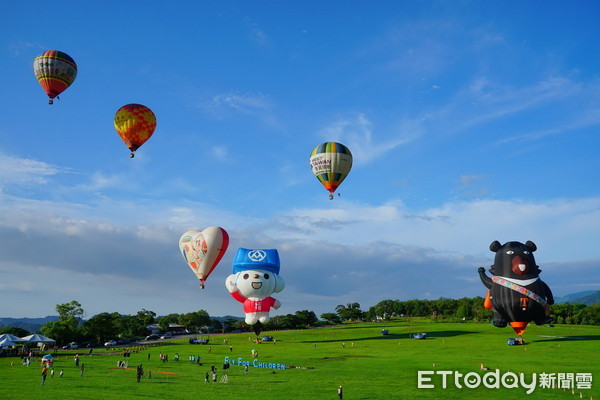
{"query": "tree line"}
(70, 326)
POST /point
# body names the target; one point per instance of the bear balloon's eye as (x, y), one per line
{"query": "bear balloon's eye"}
(246, 276)
(525, 252)
(266, 276)
(510, 252)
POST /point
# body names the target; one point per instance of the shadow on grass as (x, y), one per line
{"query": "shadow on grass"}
(548, 338)
(395, 336)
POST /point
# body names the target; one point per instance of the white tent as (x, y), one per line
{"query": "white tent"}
(10, 337)
(37, 338)
(7, 342)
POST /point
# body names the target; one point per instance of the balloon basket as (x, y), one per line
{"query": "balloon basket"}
(131, 155)
(50, 101)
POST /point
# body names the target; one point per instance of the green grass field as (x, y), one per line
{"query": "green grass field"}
(367, 364)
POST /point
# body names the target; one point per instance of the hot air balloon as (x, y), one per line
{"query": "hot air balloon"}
(203, 250)
(516, 294)
(254, 279)
(331, 162)
(55, 71)
(135, 124)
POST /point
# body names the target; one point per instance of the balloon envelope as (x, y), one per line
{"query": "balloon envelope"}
(519, 327)
(331, 162)
(55, 71)
(135, 124)
(203, 250)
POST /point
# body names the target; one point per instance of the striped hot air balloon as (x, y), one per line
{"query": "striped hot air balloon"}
(55, 71)
(331, 162)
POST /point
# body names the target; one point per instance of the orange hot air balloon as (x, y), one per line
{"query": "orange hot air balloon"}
(519, 327)
(135, 124)
(55, 71)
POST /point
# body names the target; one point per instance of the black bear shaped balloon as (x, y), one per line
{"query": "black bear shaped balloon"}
(517, 295)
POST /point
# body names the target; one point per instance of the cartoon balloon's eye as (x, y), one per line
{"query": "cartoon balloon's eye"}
(246, 276)
(525, 252)
(510, 252)
(266, 276)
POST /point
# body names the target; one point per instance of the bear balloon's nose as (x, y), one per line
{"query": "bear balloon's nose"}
(255, 276)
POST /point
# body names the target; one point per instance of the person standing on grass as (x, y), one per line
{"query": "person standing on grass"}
(140, 372)
(81, 369)
(44, 373)
(340, 392)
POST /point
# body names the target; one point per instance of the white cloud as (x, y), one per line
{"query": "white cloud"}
(342, 253)
(485, 101)
(244, 103)
(220, 152)
(357, 134)
(23, 171)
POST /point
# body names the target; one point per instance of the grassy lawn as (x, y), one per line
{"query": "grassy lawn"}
(367, 364)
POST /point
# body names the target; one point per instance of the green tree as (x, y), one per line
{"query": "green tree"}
(349, 312)
(147, 317)
(385, 309)
(195, 320)
(331, 318)
(66, 329)
(102, 327)
(14, 330)
(69, 310)
(306, 318)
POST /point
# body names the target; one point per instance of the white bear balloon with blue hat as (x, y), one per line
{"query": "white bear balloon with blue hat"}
(254, 279)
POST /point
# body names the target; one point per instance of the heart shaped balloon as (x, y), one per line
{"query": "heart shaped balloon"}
(203, 250)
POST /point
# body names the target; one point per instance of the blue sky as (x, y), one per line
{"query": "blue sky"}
(469, 122)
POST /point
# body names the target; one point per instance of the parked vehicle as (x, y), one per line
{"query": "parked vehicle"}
(267, 338)
(110, 343)
(71, 346)
(515, 341)
(153, 336)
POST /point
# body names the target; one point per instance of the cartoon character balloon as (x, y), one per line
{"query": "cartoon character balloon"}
(135, 124)
(331, 162)
(203, 250)
(55, 72)
(255, 278)
(517, 296)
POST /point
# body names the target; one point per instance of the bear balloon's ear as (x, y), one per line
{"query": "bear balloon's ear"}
(531, 245)
(280, 284)
(495, 246)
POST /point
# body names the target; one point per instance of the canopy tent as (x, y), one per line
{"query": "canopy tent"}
(37, 338)
(10, 337)
(7, 342)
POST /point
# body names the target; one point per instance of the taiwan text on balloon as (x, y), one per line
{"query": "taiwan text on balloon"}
(330, 163)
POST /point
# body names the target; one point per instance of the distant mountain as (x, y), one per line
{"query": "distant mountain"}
(587, 297)
(31, 325)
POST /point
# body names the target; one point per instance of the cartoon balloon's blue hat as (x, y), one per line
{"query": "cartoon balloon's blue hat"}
(265, 259)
